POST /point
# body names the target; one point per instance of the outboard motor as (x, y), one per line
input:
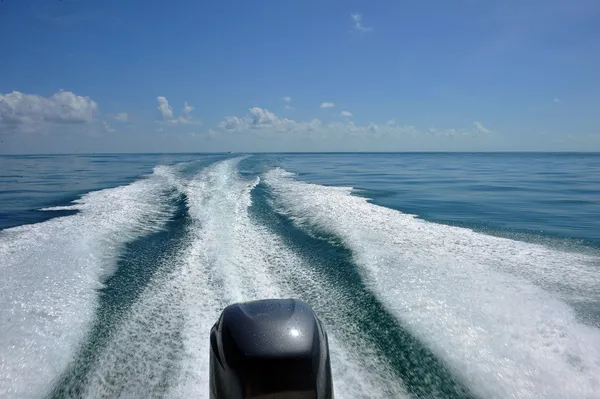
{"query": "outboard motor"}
(269, 349)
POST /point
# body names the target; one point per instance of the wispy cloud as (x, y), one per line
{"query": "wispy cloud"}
(287, 100)
(346, 113)
(357, 19)
(121, 117)
(327, 105)
(185, 118)
(481, 129)
(108, 128)
(556, 100)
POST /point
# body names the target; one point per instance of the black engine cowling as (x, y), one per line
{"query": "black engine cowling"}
(269, 349)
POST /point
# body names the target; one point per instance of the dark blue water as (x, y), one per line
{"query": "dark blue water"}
(549, 194)
(31, 182)
(116, 266)
(552, 194)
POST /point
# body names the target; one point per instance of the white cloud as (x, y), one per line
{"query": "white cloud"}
(327, 105)
(556, 100)
(258, 119)
(185, 118)
(164, 108)
(211, 133)
(108, 128)
(357, 18)
(263, 123)
(233, 123)
(30, 112)
(121, 117)
(346, 113)
(481, 129)
(287, 99)
(167, 113)
(187, 109)
(262, 116)
(391, 122)
(372, 127)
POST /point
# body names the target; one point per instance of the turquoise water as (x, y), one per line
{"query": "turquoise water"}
(437, 275)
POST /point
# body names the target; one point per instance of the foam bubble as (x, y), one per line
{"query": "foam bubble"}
(475, 300)
(51, 272)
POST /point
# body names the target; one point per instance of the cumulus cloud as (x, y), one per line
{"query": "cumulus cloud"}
(327, 105)
(346, 113)
(357, 19)
(372, 127)
(481, 129)
(263, 123)
(233, 123)
(30, 112)
(166, 112)
(121, 117)
(265, 128)
(258, 119)
(164, 108)
(262, 116)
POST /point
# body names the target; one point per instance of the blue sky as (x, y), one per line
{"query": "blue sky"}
(161, 76)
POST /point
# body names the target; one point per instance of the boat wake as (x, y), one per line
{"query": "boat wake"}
(492, 311)
(484, 304)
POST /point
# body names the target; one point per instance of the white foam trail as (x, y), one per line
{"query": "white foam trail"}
(51, 272)
(464, 293)
(73, 207)
(143, 355)
(244, 262)
(224, 263)
(226, 257)
(357, 370)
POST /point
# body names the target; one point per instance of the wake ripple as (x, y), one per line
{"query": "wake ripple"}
(163, 348)
(51, 273)
(485, 305)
